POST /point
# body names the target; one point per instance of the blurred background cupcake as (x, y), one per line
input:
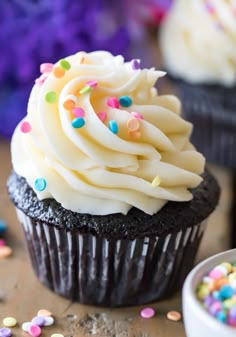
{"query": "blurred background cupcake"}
(62, 28)
(198, 43)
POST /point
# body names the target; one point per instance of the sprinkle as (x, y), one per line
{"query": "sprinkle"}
(44, 312)
(113, 102)
(113, 126)
(210, 9)
(2, 242)
(133, 124)
(34, 330)
(147, 313)
(25, 326)
(64, 64)
(215, 274)
(134, 135)
(174, 316)
(82, 60)
(9, 322)
(78, 112)
(40, 184)
(25, 127)
(46, 67)
(102, 116)
(125, 101)
(70, 102)
(58, 72)
(85, 90)
(5, 251)
(48, 320)
(38, 320)
(3, 226)
(92, 83)
(136, 115)
(78, 123)
(135, 63)
(57, 335)
(156, 181)
(41, 79)
(5, 332)
(51, 97)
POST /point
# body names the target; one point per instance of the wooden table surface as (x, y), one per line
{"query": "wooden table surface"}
(21, 294)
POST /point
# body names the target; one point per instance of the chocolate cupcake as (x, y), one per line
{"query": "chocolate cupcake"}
(111, 194)
(198, 48)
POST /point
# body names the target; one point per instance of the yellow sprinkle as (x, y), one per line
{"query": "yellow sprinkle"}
(9, 322)
(156, 181)
(228, 266)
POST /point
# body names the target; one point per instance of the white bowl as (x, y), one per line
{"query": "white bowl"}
(197, 321)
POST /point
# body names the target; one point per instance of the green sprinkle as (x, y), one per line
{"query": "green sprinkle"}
(64, 64)
(78, 122)
(85, 90)
(51, 97)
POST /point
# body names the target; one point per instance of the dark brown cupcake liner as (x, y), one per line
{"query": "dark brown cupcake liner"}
(93, 270)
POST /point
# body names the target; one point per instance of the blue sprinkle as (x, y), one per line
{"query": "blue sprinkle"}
(113, 126)
(217, 296)
(221, 316)
(40, 184)
(125, 101)
(78, 122)
(226, 291)
(3, 226)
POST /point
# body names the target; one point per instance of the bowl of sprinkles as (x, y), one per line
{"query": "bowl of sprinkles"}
(209, 297)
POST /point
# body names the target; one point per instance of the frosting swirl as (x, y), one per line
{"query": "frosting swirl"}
(198, 41)
(99, 139)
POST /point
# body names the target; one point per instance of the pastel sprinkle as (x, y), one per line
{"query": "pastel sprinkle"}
(3, 226)
(25, 326)
(85, 90)
(5, 332)
(113, 126)
(136, 115)
(40, 184)
(57, 335)
(102, 116)
(135, 63)
(44, 312)
(147, 313)
(34, 330)
(25, 127)
(156, 181)
(9, 322)
(133, 124)
(78, 112)
(78, 123)
(70, 102)
(58, 72)
(51, 97)
(92, 83)
(38, 320)
(2, 243)
(5, 251)
(41, 79)
(48, 320)
(65, 64)
(46, 67)
(215, 274)
(125, 101)
(113, 102)
(134, 135)
(174, 316)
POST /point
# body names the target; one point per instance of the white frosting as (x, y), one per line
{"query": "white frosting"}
(92, 170)
(198, 41)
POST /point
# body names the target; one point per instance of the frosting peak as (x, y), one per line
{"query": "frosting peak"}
(99, 139)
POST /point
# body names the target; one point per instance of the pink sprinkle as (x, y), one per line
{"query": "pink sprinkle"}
(34, 330)
(46, 67)
(137, 115)
(102, 116)
(41, 79)
(215, 274)
(2, 243)
(25, 127)
(92, 83)
(78, 112)
(147, 313)
(210, 8)
(113, 102)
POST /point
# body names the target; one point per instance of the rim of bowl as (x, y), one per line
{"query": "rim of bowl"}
(195, 276)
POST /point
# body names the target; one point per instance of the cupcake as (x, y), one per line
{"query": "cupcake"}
(198, 43)
(112, 196)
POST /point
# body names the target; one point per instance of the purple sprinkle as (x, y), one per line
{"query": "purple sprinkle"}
(208, 300)
(232, 313)
(135, 64)
(38, 320)
(5, 332)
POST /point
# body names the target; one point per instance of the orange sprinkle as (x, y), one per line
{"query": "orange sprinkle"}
(133, 124)
(82, 60)
(220, 282)
(69, 104)
(58, 72)
(134, 135)
(174, 316)
(5, 251)
(44, 312)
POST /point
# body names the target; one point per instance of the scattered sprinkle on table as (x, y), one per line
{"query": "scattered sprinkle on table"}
(44, 312)
(174, 316)
(34, 330)
(5, 332)
(147, 313)
(48, 320)
(3, 226)
(57, 335)
(5, 251)
(38, 320)
(25, 326)
(9, 322)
